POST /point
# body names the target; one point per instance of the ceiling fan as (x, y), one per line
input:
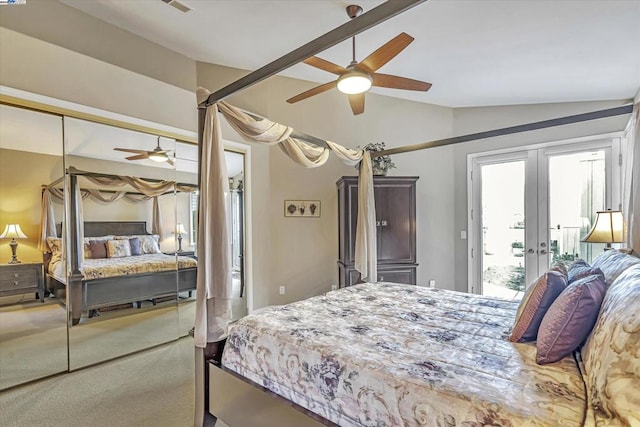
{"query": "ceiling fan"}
(358, 77)
(157, 154)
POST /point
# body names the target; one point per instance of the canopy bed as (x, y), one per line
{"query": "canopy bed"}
(111, 262)
(375, 334)
(392, 354)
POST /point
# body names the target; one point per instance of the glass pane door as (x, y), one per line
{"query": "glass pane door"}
(534, 207)
(503, 229)
(577, 190)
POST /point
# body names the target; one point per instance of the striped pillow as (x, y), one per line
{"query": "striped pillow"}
(534, 305)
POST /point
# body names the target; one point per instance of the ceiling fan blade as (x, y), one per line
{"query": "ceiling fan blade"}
(138, 157)
(357, 103)
(325, 65)
(386, 52)
(396, 82)
(128, 150)
(316, 90)
(170, 161)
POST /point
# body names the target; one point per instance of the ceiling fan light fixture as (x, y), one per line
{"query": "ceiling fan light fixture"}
(158, 157)
(354, 82)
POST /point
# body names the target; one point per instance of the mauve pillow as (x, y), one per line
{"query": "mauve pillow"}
(570, 319)
(135, 246)
(534, 305)
(582, 271)
(98, 249)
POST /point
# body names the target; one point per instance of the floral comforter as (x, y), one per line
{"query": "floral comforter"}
(399, 355)
(112, 267)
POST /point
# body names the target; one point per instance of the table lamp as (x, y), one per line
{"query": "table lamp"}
(179, 232)
(14, 232)
(608, 228)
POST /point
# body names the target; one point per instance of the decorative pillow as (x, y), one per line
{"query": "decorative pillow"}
(570, 319)
(611, 354)
(98, 248)
(578, 263)
(613, 263)
(560, 267)
(87, 250)
(148, 242)
(580, 272)
(118, 248)
(55, 247)
(134, 244)
(534, 305)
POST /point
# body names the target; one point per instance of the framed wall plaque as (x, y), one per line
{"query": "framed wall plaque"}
(302, 208)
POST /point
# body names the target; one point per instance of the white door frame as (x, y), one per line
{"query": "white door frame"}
(536, 170)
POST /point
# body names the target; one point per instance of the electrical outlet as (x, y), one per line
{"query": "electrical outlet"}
(282, 290)
(334, 287)
(432, 283)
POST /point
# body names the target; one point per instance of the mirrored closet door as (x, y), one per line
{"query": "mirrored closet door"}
(33, 321)
(124, 273)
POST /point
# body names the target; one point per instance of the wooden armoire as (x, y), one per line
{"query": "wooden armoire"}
(395, 223)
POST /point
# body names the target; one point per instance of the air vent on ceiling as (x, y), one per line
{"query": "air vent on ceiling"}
(181, 7)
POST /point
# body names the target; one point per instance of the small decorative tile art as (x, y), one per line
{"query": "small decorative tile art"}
(302, 208)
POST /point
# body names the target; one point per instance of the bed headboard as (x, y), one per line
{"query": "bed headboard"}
(103, 228)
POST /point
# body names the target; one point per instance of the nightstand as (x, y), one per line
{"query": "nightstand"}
(23, 278)
(191, 254)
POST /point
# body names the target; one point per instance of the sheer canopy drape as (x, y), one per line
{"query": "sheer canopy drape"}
(214, 278)
(631, 180)
(149, 190)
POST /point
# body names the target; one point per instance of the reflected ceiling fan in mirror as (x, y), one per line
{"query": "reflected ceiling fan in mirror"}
(358, 77)
(157, 154)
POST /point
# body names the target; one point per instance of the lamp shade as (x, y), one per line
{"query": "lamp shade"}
(180, 229)
(12, 231)
(608, 228)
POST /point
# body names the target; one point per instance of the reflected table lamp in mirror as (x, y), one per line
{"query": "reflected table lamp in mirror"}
(608, 228)
(13, 232)
(179, 232)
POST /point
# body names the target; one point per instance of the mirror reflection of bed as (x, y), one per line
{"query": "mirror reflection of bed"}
(33, 327)
(133, 307)
(32, 155)
(105, 319)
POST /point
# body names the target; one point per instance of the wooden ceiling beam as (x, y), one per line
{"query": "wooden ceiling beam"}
(355, 26)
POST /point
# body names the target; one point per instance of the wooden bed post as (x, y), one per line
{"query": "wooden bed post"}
(75, 278)
(202, 394)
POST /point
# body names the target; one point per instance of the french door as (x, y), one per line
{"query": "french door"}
(530, 207)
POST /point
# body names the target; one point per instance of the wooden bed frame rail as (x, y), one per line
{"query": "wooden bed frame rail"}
(240, 402)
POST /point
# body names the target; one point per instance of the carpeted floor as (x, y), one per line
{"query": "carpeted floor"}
(150, 388)
(33, 341)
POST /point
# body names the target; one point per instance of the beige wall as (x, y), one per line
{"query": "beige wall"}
(44, 68)
(20, 196)
(59, 24)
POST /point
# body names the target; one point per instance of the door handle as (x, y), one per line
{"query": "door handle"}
(531, 251)
(543, 252)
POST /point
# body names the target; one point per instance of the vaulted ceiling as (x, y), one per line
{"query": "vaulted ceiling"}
(475, 52)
